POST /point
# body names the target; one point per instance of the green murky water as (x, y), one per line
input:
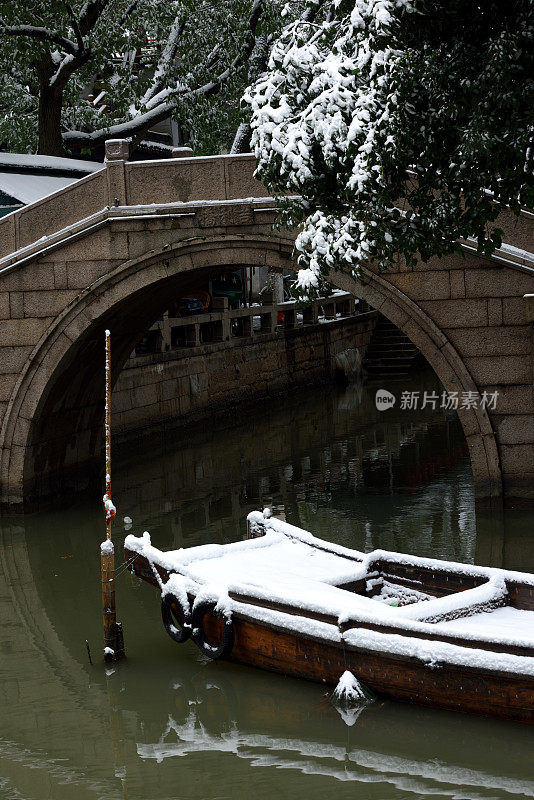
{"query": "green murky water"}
(167, 724)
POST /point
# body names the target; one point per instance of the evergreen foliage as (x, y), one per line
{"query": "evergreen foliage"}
(403, 126)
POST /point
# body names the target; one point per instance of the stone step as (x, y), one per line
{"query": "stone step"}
(390, 352)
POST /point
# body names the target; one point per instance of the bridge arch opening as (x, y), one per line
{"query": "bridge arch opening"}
(54, 419)
(53, 426)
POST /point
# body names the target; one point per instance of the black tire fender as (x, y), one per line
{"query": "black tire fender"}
(179, 632)
(199, 635)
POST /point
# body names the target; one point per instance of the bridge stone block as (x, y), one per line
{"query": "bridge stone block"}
(183, 179)
(457, 279)
(16, 456)
(22, 431)
(518, 459)
(116, 180)
(469, 421)
(7, 382)
(214, 256)
(140, 241)
(495, 282)
(394, 312)
(435, 264)
(4, 305)
(513, 399)
(457, 313)
(82, 274)
(16, 305)
(423, 287)
(117, 149)
(486, 341)
(516, 429)
(225, 216)
(433, 337)
(60, 275)
(34, 276)
(501, 370)
(76, 325)
(514, 311)
(47, 304)
(23, 331)
(8, 242)
(239, 178)
(13, 359)
(495, 311)
(47, 216)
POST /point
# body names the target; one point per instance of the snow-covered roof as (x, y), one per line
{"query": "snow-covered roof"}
(27, 178)
(27, 188)
(23, 162)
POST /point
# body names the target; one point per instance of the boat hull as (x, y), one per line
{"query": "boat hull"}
(459, 688)
(449, 687)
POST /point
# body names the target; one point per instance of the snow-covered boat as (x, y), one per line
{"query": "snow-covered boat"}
(435, 632)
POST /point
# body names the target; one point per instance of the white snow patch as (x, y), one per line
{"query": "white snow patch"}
(350, 692)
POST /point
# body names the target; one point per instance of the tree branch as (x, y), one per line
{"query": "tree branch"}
(67, 66)
(167, 56)
(76, 27)
(160, 112)
(43, 34)
(90, 14)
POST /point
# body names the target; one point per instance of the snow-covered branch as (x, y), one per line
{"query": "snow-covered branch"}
(40, 33)
(372, 88)
(159, 111)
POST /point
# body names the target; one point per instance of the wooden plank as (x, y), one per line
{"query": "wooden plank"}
(382, 627)
(475, 691)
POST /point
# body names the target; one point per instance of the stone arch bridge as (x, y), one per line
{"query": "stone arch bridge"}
(112, 248)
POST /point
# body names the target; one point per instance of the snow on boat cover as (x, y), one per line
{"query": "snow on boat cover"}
(413, 628)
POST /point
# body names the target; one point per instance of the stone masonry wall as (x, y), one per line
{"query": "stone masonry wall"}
(180, 386)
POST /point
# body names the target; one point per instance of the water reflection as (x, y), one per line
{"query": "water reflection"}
(166, 723)
(328, 461)
(404, 751)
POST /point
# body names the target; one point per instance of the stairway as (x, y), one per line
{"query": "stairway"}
(390, 352)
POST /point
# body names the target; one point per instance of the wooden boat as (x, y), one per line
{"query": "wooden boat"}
(434, 632)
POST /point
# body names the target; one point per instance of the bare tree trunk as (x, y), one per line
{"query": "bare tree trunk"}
(50, 103)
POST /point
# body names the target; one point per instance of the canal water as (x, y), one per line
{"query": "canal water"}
(167, 724)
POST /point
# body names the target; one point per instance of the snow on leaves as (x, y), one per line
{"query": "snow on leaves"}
(375, 100)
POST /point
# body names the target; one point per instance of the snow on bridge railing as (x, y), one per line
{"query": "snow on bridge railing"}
(124, 183)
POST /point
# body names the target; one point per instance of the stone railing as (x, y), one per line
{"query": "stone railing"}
(124, 183)
(224, 324)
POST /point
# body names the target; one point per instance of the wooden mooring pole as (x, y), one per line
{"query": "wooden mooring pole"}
(113, 637)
